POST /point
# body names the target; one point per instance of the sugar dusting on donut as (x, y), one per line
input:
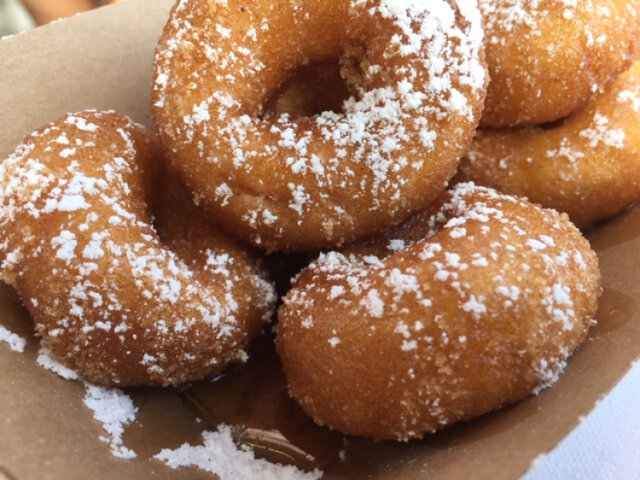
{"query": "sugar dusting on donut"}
(436, 19)
(539, 76)
(357, 270)
(367, 136)
(586, 166)
(482, 291)
(501, 17)
(86, 262)
(508, 14)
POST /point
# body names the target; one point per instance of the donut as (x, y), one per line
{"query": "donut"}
(546, 58)
(110, 297)
(307, 183)
(587, 166)
(470, 306)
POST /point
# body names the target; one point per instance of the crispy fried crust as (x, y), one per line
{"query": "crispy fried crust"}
(547, 58)
(472, 305)
(319, 181)
(110, 298)
(587, 166)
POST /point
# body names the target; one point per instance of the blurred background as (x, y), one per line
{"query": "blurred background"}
(19, 15)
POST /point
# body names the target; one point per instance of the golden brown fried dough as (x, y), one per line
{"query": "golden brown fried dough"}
(587, 166)
(311, 182)
(546, 58)
(470, 306)
(110, 298)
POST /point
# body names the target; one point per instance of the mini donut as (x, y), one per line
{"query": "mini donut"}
(546, 58)
(470, 306)
(110, 298)
(311, 182)
(587, 166)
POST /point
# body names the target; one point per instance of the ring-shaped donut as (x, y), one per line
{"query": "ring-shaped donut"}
(546, 58)
(472, 305)
(297, 184)
(587, 166)
(111, 299)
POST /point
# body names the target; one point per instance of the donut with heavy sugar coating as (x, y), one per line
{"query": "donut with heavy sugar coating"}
(588, 166)
(472, 305)
(546, 58)
(298, 184)
(110, 298)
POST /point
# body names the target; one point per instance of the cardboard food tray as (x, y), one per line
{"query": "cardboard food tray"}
(103, 60)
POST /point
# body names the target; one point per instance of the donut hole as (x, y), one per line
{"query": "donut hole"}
(309, 90)
(553, 125)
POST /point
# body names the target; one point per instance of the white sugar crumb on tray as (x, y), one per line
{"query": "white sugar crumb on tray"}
(113, 408)
(15, 341)
(220, 455)
(48, 361)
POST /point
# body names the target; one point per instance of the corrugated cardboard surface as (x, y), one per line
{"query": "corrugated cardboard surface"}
(103, 60)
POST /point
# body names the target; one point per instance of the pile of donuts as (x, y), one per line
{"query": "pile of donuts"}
(394, 141)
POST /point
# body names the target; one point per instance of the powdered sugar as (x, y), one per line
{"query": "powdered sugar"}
(111, 407)
(47, 360)
(549, 371)
(632, 97)
(600, 133)
(373, 303)
(15, 342)
(220, 456)
(65, 245)
(475, 306)
(115, 410)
